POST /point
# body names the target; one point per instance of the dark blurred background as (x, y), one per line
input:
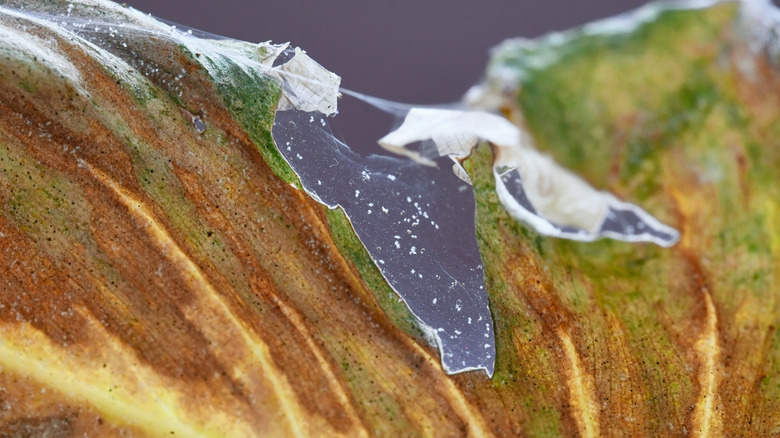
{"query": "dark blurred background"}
(416, 51)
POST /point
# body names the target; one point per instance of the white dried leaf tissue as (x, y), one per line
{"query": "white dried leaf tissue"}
(548, 197)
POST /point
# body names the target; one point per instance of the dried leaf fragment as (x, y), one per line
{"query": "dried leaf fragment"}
(531, 186)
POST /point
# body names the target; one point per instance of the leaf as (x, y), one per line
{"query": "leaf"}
(158, 277)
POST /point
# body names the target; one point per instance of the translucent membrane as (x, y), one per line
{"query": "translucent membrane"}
(417, 223)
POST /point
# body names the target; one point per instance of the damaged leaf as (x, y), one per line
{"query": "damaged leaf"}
(160, 279)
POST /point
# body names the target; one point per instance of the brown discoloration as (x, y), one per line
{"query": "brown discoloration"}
(707, 414)
(275, 269)
(622, 395)
(580, 382)
(47, 413)
(701, 337)
(579, 403)
(55, 427)
(750, 336)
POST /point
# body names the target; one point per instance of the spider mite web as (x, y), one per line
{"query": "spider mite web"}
(415, 221)
(417, 224)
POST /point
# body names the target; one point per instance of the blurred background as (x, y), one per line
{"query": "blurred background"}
(416, 51)
(412, 51)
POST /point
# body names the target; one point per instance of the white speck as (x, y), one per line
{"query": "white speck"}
(299, 156)
(408, 199)
(413, 251)
(381, 262)
(397, 245)
(384, 210)
(487, 345)
(369, 211)
(319, 183)
(469, 320)
(397, 237)
(434, 300)
(370, 204)
(391, 177)
(357, 193)
(413, 271)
